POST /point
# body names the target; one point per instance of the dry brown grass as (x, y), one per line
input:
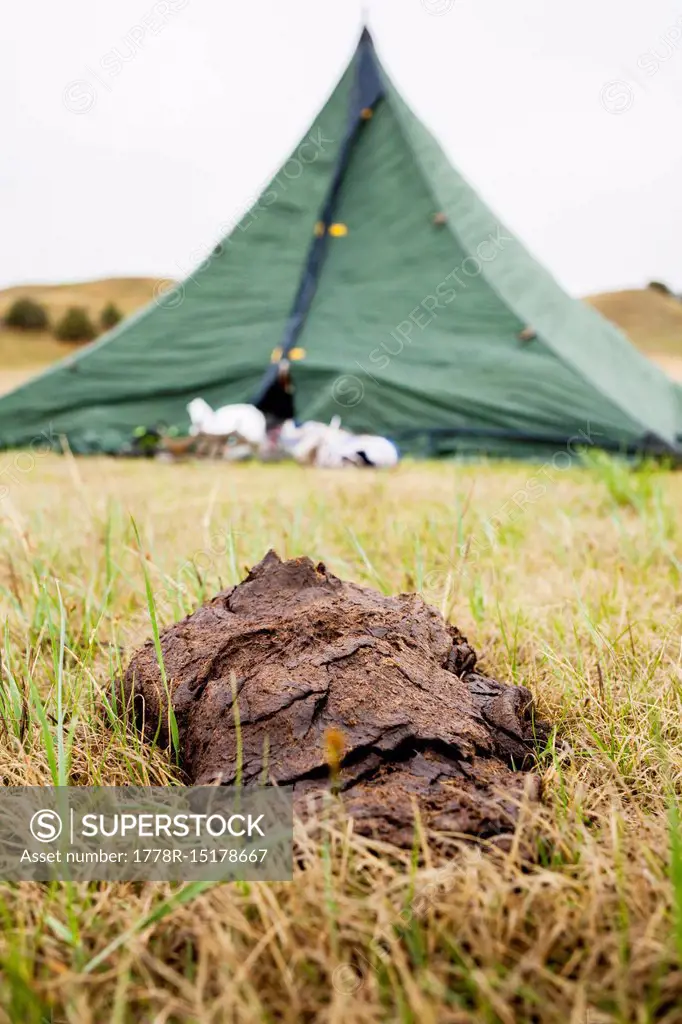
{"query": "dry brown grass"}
(576, 594)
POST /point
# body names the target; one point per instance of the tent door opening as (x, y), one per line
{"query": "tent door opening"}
(276, 401)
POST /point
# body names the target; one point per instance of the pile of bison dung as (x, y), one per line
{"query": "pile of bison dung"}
(339, 685)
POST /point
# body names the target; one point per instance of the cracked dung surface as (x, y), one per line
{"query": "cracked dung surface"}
(307, 653)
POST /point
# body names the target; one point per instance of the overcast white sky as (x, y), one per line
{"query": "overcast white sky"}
(567, 117)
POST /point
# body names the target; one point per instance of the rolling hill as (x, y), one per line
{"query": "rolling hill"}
(652, 321)
(24, 353)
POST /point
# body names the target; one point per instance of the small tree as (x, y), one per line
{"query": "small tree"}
(27, 315)
(75, 325)
(110, 316)
(659, 286)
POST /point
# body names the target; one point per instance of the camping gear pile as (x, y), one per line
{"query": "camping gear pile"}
(239, 432)
(334, 684)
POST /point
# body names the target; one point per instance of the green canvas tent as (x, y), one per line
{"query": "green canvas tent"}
(403, 302)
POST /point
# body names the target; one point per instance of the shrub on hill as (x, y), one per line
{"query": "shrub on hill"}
(110, 316)
(75, 325)
(27, 315)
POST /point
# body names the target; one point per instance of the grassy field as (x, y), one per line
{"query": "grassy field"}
(576, 594)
